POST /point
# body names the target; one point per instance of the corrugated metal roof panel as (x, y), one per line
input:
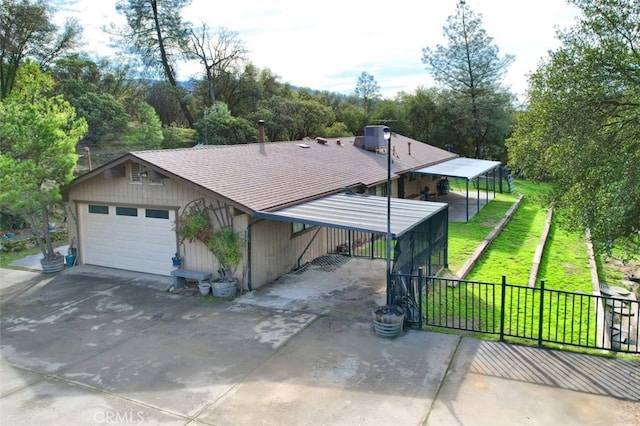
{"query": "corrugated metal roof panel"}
(366, 213)
(469, 168)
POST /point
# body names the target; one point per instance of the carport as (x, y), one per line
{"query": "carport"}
(468, 169)
(419, 228)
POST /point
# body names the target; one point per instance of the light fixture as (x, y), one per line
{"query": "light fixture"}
(143, 174)
(386, 133)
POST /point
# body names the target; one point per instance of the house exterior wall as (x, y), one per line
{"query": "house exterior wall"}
(170, 195)
(413, 188)
(275, 251)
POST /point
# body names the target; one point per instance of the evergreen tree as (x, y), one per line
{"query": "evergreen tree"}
(469, 65)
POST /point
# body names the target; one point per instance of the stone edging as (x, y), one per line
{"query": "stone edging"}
(537, 256)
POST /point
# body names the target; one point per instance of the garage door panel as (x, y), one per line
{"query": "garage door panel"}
(136, 243)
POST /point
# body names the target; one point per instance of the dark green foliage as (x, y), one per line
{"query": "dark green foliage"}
(581, 129)
(145, 131)
(105, 116)
(219, 127)
(41, 132)
(178, 137)
(27, 32)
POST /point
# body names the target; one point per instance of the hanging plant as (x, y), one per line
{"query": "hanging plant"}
(194, 225)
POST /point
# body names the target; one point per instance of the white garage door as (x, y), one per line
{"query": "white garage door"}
(133, 238)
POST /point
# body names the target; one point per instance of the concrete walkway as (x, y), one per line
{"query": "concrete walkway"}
(32, 263)
(458, 208)
(94, 345)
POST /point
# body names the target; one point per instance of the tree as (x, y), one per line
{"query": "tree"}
(26, 32)
(354, 117)
(158, 36)
(219, 127)
(469, 64)
(581, 129)
(77, 74)
(421, 111)
(145, 131)
(105, 116)
(368, 91)
(38, 137)
(163, 98)
(223, 56)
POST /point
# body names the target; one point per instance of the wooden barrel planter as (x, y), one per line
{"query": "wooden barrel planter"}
(388, 320)
(224, 289)
(51, 265)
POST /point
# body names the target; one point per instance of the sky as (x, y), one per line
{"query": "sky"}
(326, 45)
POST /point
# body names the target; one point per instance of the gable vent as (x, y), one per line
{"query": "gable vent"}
(136, 177)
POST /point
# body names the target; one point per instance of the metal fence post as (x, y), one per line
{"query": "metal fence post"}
(541, 313)
(502, 306)
(372, 241)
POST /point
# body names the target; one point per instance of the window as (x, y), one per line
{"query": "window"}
(156, 181)
(380, 190)
(297, 228)
(156, 214)
(126, 211)
(96, 209)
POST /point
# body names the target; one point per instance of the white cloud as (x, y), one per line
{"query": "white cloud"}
(326, 45)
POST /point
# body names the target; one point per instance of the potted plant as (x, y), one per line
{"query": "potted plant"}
(388, 320)
(224, 242)
(226, 245)
(41, 132)
(194, 224)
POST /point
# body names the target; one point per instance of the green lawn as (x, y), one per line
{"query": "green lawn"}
(511, 253)
(464, 238)
(564, 266)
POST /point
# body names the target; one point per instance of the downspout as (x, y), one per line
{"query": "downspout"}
(249, 284)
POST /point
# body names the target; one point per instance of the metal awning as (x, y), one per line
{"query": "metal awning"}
(468, 168)
(358, 212)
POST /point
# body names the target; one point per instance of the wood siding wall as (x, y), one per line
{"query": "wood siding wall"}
(170, 195)
(275, 251)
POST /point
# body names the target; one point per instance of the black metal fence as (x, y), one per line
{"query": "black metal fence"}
(520, 312)
(356, 243)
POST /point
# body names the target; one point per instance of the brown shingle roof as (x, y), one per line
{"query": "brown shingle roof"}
(265, 176)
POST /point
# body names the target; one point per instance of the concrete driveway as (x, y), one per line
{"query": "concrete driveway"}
(98, 346)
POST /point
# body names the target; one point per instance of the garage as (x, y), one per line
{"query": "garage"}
(124, 237)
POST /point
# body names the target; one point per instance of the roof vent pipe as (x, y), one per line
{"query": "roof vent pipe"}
(261, 131)
(409, 145)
